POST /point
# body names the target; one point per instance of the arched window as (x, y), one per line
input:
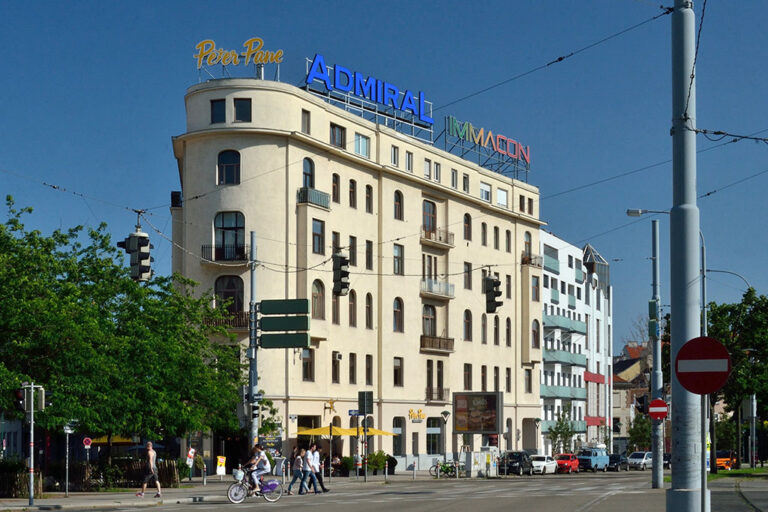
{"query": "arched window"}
(368, 199)
(467, 226)
(429, 320)
(429, 217)
(308, 177)
(484, 329)
(496, 237)
(229, 231)
(535, 334)
(368, 311)
(527, 244)
(352, 308)
(352, 194)
(496, 330)
(229, 168)
(397, 316)
(230, 288)
(509, 241)
(318, 300)
(336, 188)
(509, 332)
(484, 233)
(467, 325)
(398, 205)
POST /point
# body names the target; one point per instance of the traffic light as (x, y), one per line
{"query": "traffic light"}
(340, 274)
(491, 287)
(43, 399)
(20, 399)
(141, 261)
(641, 404)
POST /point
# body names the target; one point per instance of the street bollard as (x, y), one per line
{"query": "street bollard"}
(386, 470)
(286, 470)
(414, 469)
(456, 463)
(205, 474)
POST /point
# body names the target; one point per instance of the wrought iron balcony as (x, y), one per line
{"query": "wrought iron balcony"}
(531, 259)
(313, 196)
(225, 252)
(236, 320)
(438, 395)
(436, 236)
(437, 289)
(436, 344)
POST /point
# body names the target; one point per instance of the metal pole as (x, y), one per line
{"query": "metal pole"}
(657, 377)
(365, 446)
(330, 452)
(685, 492)
(66, 479)
(704, 398)
(752, 433)
(253, 372)
(31, 406)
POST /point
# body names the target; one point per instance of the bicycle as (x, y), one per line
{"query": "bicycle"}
(271, 490)
(447, 469)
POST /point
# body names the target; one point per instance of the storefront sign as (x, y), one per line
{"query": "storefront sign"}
(343, 80)
(221, 465)
(477, 413)
(499, 143)
(416, 415)
(254, 52)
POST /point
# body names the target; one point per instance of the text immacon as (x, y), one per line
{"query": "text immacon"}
(480, 137)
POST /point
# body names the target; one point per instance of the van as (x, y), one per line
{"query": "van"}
(593, 458)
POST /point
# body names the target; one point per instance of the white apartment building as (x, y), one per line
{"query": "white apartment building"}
(576, 357)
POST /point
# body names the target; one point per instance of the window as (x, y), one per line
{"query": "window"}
(368, 255)
(368, 199)
(467, 325)
(336, 189)
(368, 311)
(229, 232)
(308, 364)
(428, 168)
(368, 370)
(535, 343)
(483, 378)
(597, 337)
(467, 227)
(230, 289)
(352, 194)
(496, 237)
(522, 203)
(397, 372)
(501, 197)
(394, 156)
(509, 332)
(484, 233)
(454, 178)
(509, 380)
(484, 329)
(535, 288)
(243, 110)
(409, 161)
(398, 258)
(335, 366)
(570, 261)
(546, 281)
(352, 368)
(467, 276)
(398, 205)
(335, 242)
(352, 308)
(467, 377)
(509, 286)
(318, 236)
(308, 176)
(429, 217)
(496, 334)
(229, 168)
(318, 300)
(509, 241)
(397, 315)
(352, 251)
(485, 192)
(527, 244)
(495, 378)
(437, 172)
(338, 135)
(530, 206)
(429, 320)
(335, 309)
(465, 183)
(218, 109)
(434, 436)
(362, 145)
(305, 122)
(398, 441)
(529, 381)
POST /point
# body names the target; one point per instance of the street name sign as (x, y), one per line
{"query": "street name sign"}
(658, 409)
(284, 307)
(285, 340)
(702, 365)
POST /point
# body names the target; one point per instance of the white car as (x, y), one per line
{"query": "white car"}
(640, 460)
(543, 464)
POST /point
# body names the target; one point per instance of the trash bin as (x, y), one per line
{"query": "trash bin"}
(391, 463)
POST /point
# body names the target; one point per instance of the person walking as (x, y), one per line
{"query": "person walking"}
(317, 466)
(298, 474)
(150, 472)
(308, 472)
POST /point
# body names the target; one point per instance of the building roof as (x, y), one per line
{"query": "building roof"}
(622, 365)
(634, 352)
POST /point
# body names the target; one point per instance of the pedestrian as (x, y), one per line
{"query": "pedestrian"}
(150, 472)
(307, 470)
(298, 474)
(318, 467)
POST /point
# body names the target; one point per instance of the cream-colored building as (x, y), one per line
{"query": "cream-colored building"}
(420, 226)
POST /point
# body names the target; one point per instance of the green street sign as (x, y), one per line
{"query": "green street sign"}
(285, 340)
(285, 307)
(284, 323)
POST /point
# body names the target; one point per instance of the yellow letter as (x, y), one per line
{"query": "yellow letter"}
(252, 46)
(204, 48)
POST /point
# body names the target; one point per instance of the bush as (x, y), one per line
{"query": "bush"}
(183, 469)
(377, 460)
(199, 462)
(348, 463)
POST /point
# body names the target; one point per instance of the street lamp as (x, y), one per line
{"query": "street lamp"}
(445, 415)
(752, 413)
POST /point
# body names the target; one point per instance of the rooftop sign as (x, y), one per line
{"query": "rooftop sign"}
(210, 55)
(501, 144)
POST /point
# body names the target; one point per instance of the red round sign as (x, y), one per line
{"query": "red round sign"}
(702, 365)
(658, 409)
(87, 441)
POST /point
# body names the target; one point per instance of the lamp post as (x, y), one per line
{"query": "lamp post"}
(445, 415)
(752, 413)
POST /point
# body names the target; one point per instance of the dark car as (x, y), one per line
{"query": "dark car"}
(667, 461)
(617, 462)
(518, 463)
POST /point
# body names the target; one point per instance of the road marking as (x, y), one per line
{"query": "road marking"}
(702, 365)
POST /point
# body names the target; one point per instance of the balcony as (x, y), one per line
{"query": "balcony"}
(435, 289)
(225, 252)
(563, 392)
(438, 395)
(564, 323)
(551, 264)
(531, 259)
(306, 195)
(578, 426)
(436, 237)
(563, 357)
(436, 344)
(572, 301)
(238, 320)
(555, 296)
(580, 276)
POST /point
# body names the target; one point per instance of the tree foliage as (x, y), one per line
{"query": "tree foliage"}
(640, 433)
(562, 432)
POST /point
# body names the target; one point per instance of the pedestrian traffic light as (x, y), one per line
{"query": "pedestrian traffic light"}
(43, 399)
(340, 274)
(491, 287)
(20, 399)
(641, 404)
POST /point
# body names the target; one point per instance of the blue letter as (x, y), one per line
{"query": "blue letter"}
(409, 103)
(338, 82)
(390, 93)
(422, 114)
(365, 87)
(318, 71)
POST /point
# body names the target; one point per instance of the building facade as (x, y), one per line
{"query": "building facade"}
(576, 359)
(420, 226)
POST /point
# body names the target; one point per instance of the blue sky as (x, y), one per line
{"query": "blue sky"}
(92, 93)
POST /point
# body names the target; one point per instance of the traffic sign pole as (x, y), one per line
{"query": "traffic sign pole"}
(253, 372)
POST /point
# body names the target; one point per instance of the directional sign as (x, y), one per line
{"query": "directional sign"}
(702, 365)
(284, 323)
(354, 412)
(87, 442)
(285, 340)
(284, 307)
(658, 409)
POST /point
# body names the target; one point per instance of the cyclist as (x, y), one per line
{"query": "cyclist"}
(260, 465)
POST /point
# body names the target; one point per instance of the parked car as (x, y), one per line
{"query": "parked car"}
(667, 461)
(544, 464)
(567, 463)
(617, 462)
(641, 460)
(594, 459)
(518, 463)
(726, 459)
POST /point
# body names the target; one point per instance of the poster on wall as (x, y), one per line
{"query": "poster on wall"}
(478, 412)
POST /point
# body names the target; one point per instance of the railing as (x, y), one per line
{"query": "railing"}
(578, 426)
(435, 287)
(225, 252)
(580, 276)
(236, 320)
(572, 301)
(555, 295)
(531, 259)
(552, 264)
(438, 235)
(436, 344)
(561, 322)
(563, 357)
(313, 196)
(563, 392)
(438, 395)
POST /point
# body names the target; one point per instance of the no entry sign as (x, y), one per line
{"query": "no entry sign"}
(702, 365)
(658, 409)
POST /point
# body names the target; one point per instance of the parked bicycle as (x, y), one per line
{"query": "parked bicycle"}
(447, 469)
(271, 490)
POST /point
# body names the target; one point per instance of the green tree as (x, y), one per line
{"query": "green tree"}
(562, 432)
(640, 433)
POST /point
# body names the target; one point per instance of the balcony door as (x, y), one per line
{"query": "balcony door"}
(229, 229)
(429, 218)
(429, 320)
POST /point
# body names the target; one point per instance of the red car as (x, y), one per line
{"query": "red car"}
(567, 463)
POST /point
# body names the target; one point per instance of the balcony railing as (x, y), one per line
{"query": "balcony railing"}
(578, 426)
(555, 295)
(225, 252)
(436, 344)
(552, 264)
(562, 357)
(579, 275)
(236, 320)
(438, 395)
(437, 236)
(563, 392)
(531, 259)
(313, 196)
(442, 289)
(561, 322)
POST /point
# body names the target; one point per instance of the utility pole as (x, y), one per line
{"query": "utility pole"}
(657, 377)
(686, 491)
(253, 372)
